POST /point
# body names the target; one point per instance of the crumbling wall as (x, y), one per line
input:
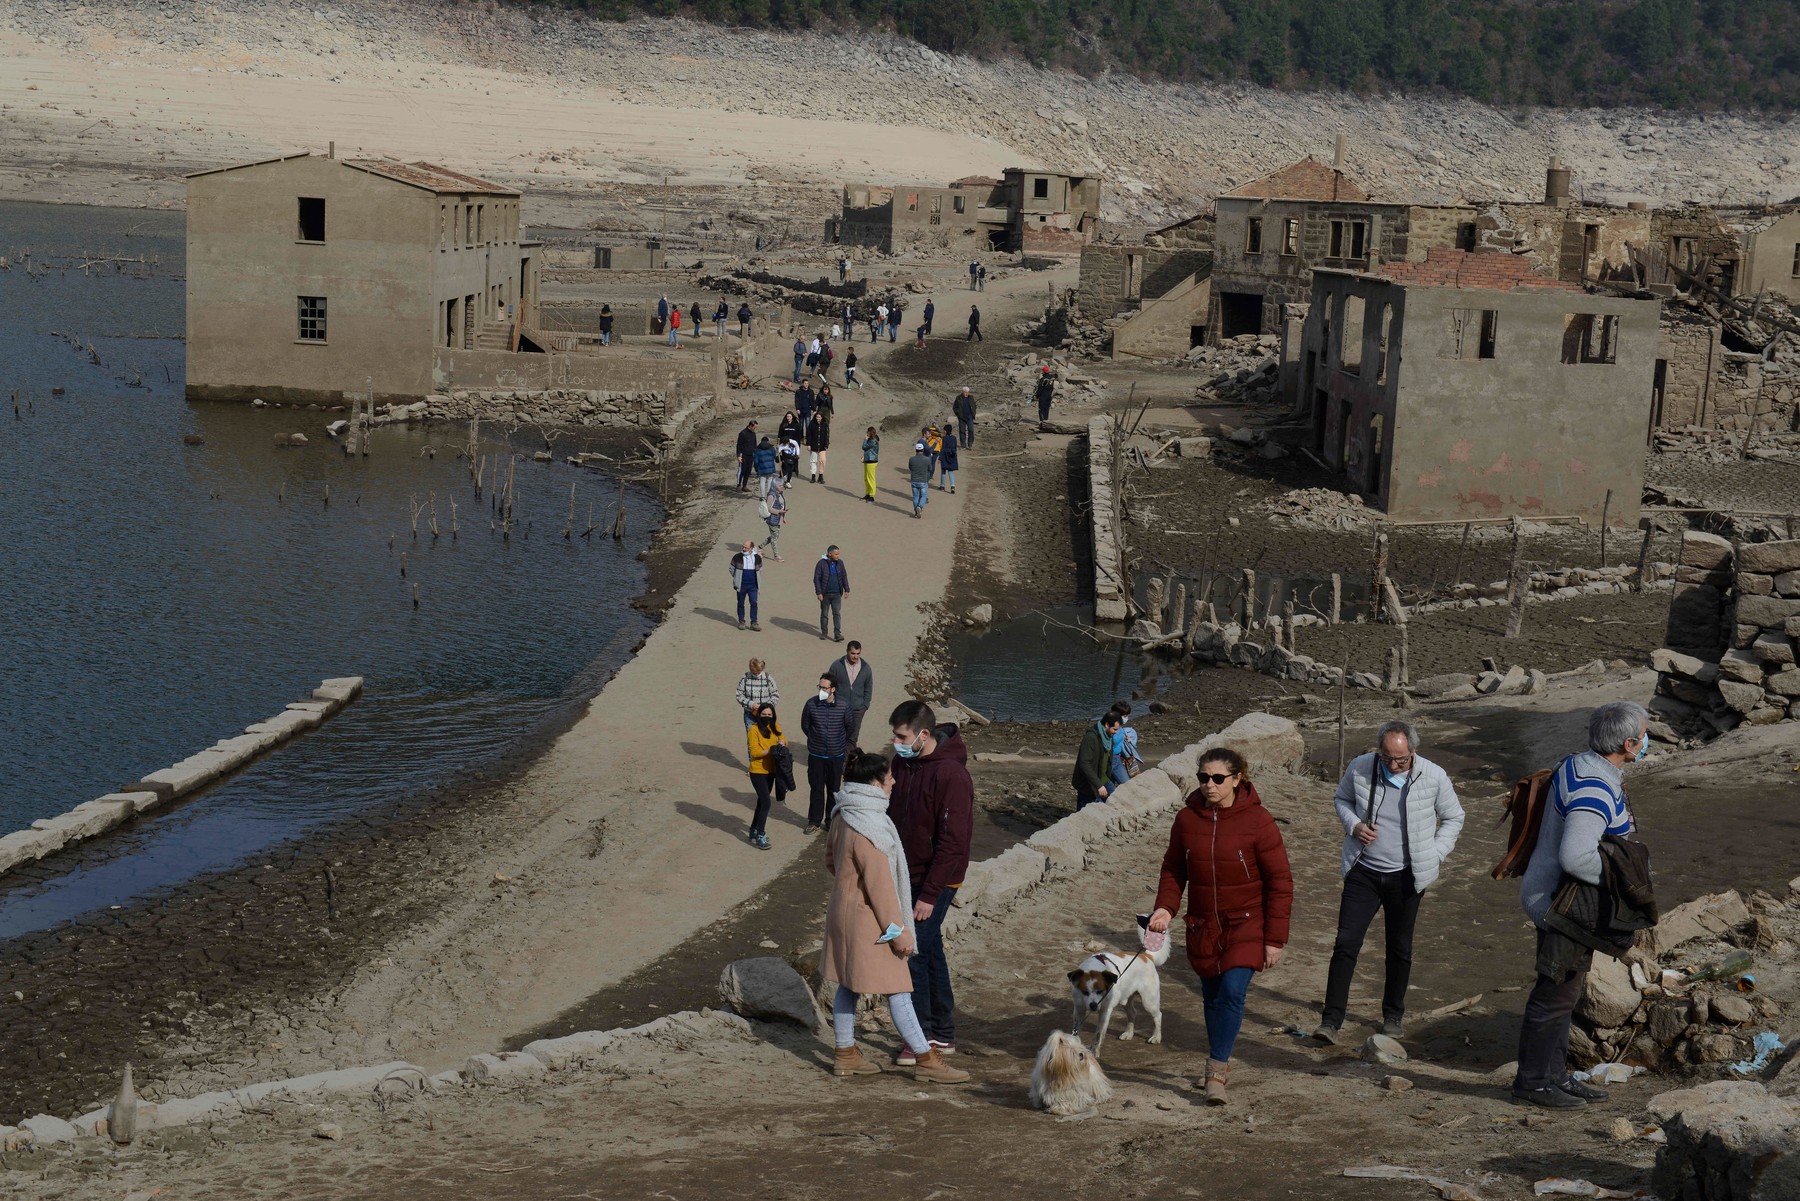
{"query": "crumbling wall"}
(1694, 240)
(1101, 291)
(1729, 651)
(1554, 237)
(1688, 347)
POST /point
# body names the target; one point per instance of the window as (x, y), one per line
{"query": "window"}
(1040, 189)
(312, 219)
(1681, 253)
(1590, 338)
(1470, 334)
(956, 202)
(1797, 260)
(1349, 239)
(1290, 235)
(443, 227)
(1253, 239)
(1465, 236)
(480, 213)
(937, 204)
(912, 203)
(1350, 330)
(468, 224)
(312, 319)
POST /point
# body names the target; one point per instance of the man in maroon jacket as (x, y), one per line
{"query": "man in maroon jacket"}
(933, 807)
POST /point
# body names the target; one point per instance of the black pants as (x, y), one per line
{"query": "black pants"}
(1043, 411)
(1544, 1030)
(764, 783)
(965, 433)
(744, 473)
(856, 720)
(975, 334)
(1366, 891)
(824, 776)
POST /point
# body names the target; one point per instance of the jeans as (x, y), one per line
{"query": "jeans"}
(919, 494)
(1116, 775)
(765, 484)
(1222, 998)
(750, 594)
(832, 605)
(1366, 891)
(824, 776)
(1084, 799)
(900, 1006)
(764, 784)
(718, 327)
(1544, 1030)
(893, 330)
(606, 337)
(850, 378)
(798, 361)
(674, 336)
(965, 433)
(949, 480)
(932, 998)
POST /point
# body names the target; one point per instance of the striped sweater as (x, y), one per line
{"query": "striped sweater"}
(1587, 802)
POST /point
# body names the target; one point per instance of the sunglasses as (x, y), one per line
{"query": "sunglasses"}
(1217, 779)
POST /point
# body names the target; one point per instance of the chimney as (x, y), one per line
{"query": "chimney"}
(1556, 183)
(1337, 157)
(331, 150)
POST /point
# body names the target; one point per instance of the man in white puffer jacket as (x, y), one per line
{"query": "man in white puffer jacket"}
(1401, 818)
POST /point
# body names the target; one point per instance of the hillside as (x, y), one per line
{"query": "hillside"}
(1674, 53)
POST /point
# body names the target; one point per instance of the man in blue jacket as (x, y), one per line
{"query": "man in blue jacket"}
(825, 721)
(766, 466)
(831, 584)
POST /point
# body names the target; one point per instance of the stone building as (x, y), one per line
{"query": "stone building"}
(310, 276)
(1273, 232)
(1027, 211)
(1468, 385)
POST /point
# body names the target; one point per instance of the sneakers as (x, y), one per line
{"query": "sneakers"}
(812, 829)
(850, 1062)
(952, 489)
(906, 1058)
(1394, 1027)
(1549, 1097)
(756, 625)
(742, 626)
(1327, 1035)
(838, 638)
(942, 1047)
(931, 1068)
(759, 841)
(1586, 1092)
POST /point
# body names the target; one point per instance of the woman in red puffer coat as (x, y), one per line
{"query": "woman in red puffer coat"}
(1226, 853)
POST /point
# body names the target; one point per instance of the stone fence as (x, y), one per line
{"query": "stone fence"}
(1110, 600)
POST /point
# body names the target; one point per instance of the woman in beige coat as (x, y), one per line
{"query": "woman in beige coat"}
(869, 925)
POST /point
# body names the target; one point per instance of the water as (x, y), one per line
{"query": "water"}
(1001, 673)
(159, 596)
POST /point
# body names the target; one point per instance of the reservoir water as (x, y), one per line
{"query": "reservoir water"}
(156, 596)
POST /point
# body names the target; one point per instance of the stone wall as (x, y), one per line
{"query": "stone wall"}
(556, 407)
(1111, 602)
(1102, 288)
(1734, 622)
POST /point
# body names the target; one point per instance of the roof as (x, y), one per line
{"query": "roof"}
(1445, 267)
(429, 176)
(975, 181)
(261, 162)
(1308, 179)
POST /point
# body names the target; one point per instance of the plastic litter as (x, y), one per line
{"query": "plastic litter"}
(1765, 1046)
(1608, 1073)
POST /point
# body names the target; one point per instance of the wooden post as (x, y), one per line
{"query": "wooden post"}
(1337, 599)
(1247, 602)
(453, 530)
(1518, 583)
(1379, 575)
(1153, 596)
(1287, 619)
(1194, 617)
(1461, 551)
(1605, 516)
(1405, 667)
(1343, 687)
(569, 530)
(618, 530)
(415, 594)
(1178, 611)
(327, 493)
(1643, 572)
(403, 565)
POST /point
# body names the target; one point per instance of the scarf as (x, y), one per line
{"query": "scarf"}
(864, 808)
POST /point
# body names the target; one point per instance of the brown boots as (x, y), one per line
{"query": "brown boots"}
(931, 1067)
(1217, 1075)
(850, 1062)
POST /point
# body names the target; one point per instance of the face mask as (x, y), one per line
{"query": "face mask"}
(1643, 748)
(824, 695)
(1393, 777)
(905, 750)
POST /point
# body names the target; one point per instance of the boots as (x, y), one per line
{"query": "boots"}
(931, 1067)
(1217, 1074)
(850, 1062)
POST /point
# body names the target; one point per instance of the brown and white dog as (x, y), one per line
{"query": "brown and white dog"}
(1066, 1079)
(1106, 982)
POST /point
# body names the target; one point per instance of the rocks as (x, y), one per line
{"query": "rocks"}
(1730, 1140)
(1396, 1084)
(290, 439)
(329, 1130)
(1669, 661)
(572, 1050)
(1751, 681)
(1381, 1049)
(1771, 558)
(506, 1067)
(1608, 997)
(45, 1130)
(1732, 1009)
(980, 615)
(1264, 740)
(766, 987)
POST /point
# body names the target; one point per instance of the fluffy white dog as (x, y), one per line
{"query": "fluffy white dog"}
(1066, 1079)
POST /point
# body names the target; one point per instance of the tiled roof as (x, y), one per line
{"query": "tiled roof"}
(975, 181)
(1308, 179)
(1445, 267)
(429, 176)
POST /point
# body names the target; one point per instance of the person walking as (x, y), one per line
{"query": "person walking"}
(881, 316)
(975, 325)
(934, 442)
(825, 403)
(812, 355)
(1226, 852)
(799, 359)
(803, 405)
(746, 572)
(831, 584)
(825, 721)
(850, 379)
(973, 268)
(871, 456)
(1044, 394)
(930, 308)
(818, 441)
(1401, 819)
(894, 314)
(933, 807)
(963, 409)
(1586, 806)
(693, 323)
(870, 931)
(755, 688)
(790, 427)
(662, 311)
(947, 461)
(746, 454)
(1124, 749)
(918, 474)
(843, 269)
(766, 465)
(1092, 759)
(721, 314)
(776, 503)
(763, 733)
(675, 327)
(981, 278)
(827, 356)
(606, 324)
(790, 461)
(743, 316)
(855, 681)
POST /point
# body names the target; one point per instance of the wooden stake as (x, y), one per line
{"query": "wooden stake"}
(618, 530)
(403, 565)
(453, 519)
(1287, 620)
(432, 500)
(1379, 575)
(1337, 598)
(328, 494)
(1456, 580)
(1643, 571)
(1247, 604)
(1343, 687)
(1518, 583)
(1605, 516)
(415, 594)
(569, 530)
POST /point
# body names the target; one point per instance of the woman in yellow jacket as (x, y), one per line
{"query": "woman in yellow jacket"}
(764, 735)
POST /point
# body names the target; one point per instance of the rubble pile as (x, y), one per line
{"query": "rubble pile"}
(1073, 386)
(1727, 446)
(1685, 997)
(1248, 371)
(1321, 509)
(1730, 649)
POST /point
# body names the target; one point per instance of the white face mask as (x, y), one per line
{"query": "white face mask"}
(824, 695)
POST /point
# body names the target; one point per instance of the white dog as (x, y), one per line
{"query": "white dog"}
(1106, 982)
(1066, 1078)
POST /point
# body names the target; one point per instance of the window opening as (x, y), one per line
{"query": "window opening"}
(1470, 334)
(312, 219)
(1590, 338)
(1253, 242)
(312, 319)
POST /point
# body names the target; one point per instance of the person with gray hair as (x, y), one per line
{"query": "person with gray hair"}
(1401, 819)
(1586, 803)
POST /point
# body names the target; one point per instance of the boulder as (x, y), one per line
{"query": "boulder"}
(767, 987)
(1741, 666)
(1513, 682)
(1267, 742)
(1784, 683)
(1732, 1009)
(1769, 612)
(1742, 698)
(506, 1067)
(1608, 998)
(1697, 919)
(1771, 558)
(980, 615)
(45, 1129)
(1381, 1049)
(1774, 649)
(571, 1050)
(1432, 686)
(1708, 551)
(1730, 1140)
(1669, 661)
(1788, 583)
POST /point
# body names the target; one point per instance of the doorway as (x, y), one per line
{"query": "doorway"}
(1240, 313)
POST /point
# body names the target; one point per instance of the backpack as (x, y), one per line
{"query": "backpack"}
(1525, 805)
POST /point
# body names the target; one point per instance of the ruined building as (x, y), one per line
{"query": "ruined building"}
(309, 276)
(1469, 385)
(1163, 284)
(1027, 211)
